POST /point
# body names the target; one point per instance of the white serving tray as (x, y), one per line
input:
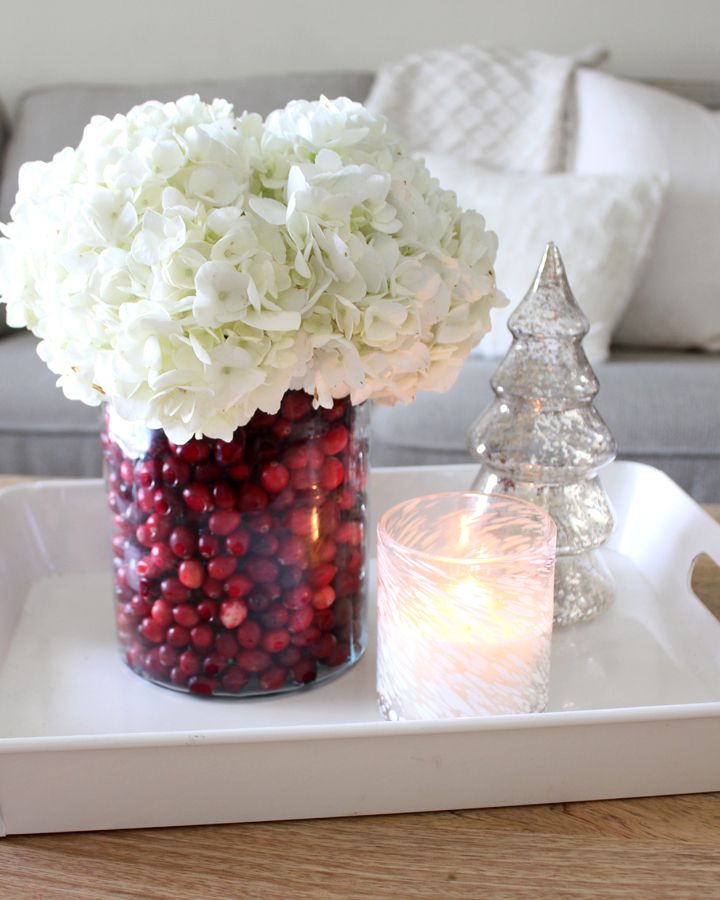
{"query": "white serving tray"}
(86, 744)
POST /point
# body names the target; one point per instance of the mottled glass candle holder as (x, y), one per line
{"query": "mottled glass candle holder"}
(465, 606)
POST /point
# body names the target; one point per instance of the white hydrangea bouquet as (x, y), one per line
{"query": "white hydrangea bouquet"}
(191, 266)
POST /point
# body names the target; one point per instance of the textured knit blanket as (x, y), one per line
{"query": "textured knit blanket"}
(502, 108)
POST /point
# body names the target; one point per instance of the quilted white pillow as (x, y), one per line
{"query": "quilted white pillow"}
(602, 225)
(624, 127)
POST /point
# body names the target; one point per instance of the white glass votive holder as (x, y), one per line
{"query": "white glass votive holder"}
(465, 606)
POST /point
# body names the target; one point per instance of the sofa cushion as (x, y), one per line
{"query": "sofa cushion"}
(49, 119)
(41, 432)
(625, 127)
(656, 404)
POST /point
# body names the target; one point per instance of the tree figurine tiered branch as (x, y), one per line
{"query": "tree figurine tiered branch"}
(542, 439)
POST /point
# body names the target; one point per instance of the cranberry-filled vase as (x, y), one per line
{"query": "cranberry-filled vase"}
(240, 566)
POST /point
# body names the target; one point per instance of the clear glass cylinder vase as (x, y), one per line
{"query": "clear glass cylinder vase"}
(239, 567)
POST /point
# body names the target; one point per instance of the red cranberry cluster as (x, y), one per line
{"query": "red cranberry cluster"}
(240, 566)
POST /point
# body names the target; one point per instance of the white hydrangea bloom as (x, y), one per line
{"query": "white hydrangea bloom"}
(192, 266)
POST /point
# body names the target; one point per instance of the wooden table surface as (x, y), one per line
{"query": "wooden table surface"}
(651, 847)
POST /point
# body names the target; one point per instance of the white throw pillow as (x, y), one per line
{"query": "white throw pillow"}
(601, 224)
(624, 127)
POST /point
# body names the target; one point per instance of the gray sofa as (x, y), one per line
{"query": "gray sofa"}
(661, 406)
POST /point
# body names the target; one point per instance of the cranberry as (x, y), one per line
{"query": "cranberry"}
(183, 542)
(191, 573)
(200, 684)
(178, 677)
(234, 679)
(349, 533)
(164, 502)
(226, 645)
(127, 471)
(185, 615)
(175, 472)
(178, 636)
(202, 637)
(262, 570)
(144, 567)
(300, 619)
(297, 458)
(252, 497)
(324, 550)
(162, 558)
(274, 477)
(206, 472)
(259, 522)
(325, 619)
(346, 498)
(144, 535)
(339, 655)
(206, 609)
(336, 411)
(304, 480)
(221, 567)
(283, 500)
(324, 598)
(197, 497)
(135, 656)
(194, 451)
(173, 590)
(275, 617)
(189, 662)
(335, 440)
(289, 656)
(304, 671)
(140, 606)
(292, 550)
(162, 612)
(320, 576)
(254, 660)
(332, 473)
(276, 641)
(298, 597)
(238, 586)
(159, 527)
(296, 405)
(307, 637)
(302, 520)
(145, 498)
(168, 655)
(213, 588)
(323, 646)
(209, 545)
(290, 577)
(223, 495)
(224, 522)
(238, 543)
(147, 472)
(259, 600)
(233, 613)
(213, 664)
(265, 545)
(229, 453)
(152, 630)
(282, 429)
(249, 634)
(273, 679)
(239, 472)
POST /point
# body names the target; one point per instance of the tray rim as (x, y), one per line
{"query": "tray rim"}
(612, 716)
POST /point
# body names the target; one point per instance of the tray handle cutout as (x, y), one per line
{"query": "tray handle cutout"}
(705, 582)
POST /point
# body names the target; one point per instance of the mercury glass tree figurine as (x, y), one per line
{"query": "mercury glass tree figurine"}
(543, 440)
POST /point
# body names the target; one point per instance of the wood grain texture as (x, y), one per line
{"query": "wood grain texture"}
(661, 847)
